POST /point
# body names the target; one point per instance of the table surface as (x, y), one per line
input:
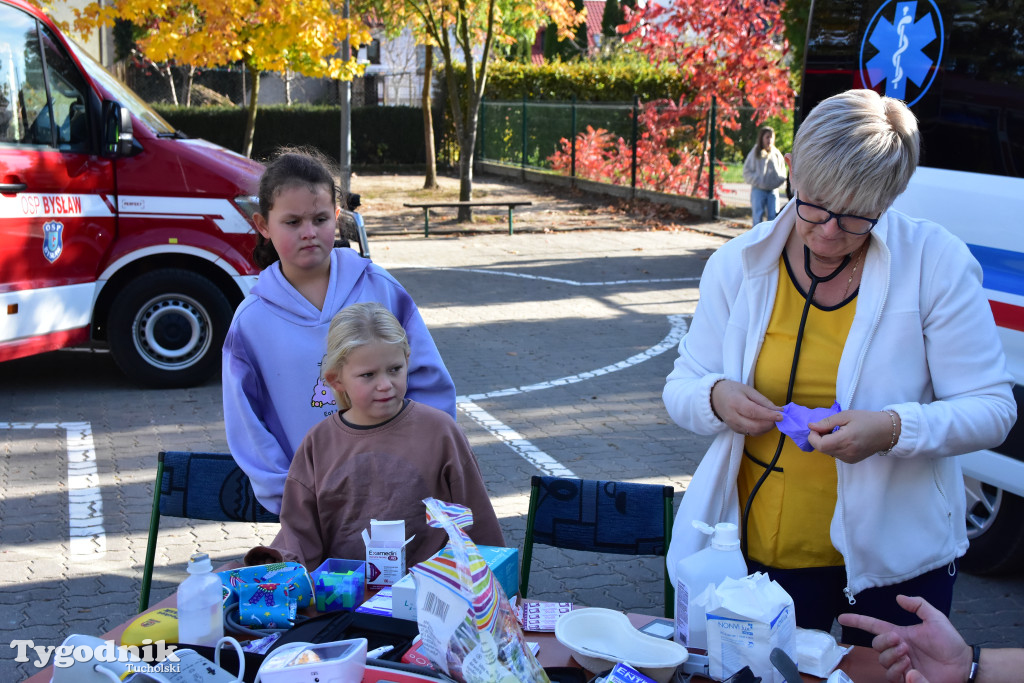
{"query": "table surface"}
(861, 664)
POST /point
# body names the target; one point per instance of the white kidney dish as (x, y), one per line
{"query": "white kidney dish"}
(600, 638)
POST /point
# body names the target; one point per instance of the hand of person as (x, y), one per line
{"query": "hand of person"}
(861, 433)
(929, 651)
(743, 409)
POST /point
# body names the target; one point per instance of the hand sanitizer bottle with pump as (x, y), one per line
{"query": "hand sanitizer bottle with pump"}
(695, 573)
(200, 604)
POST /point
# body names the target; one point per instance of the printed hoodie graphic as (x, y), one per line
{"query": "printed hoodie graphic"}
(322, 395)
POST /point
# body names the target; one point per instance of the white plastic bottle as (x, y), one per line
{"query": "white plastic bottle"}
(200, 604)
(695, 573)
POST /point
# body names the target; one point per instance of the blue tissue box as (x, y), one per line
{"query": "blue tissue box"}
(504, 564)
(339, 584)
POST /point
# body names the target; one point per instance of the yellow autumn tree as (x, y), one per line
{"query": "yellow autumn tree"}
(264, 35)
(466, 31)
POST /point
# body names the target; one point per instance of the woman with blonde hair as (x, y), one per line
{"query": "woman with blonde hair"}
(841, 355)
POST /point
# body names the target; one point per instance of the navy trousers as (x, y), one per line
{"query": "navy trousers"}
(818, 597)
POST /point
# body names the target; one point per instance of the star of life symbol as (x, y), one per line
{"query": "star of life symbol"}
(901, 44)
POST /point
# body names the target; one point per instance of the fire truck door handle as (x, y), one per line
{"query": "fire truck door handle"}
(12, 188)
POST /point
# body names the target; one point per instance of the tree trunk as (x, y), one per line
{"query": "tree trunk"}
(430, 179)
(467, 143)
(190, 77)
(288, 74)
(250, 120)
(170, 81)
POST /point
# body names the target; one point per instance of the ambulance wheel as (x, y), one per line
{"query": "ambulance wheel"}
(994, 530)
(166, 328)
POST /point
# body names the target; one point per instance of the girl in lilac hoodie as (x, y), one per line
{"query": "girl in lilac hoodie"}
(273, 384)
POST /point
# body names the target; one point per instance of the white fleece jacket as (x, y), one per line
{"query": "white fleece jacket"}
(923, 343)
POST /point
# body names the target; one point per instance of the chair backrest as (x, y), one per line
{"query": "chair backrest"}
(207, 486)
(600, 516)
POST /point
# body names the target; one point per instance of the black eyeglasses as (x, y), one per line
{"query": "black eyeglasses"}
(819, 215)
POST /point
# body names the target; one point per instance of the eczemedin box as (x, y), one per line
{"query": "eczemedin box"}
(385, 552)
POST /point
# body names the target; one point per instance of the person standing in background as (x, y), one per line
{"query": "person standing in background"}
(765, 172)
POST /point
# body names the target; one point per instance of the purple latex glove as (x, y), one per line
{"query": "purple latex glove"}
(795, 419)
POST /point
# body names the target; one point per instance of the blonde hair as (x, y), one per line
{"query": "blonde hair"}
(855, 152)
(355, 326)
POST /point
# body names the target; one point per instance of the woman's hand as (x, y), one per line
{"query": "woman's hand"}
(861, 433)
(743, 409)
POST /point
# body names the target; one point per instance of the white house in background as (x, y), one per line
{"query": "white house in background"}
(395, 67)
(100, 44)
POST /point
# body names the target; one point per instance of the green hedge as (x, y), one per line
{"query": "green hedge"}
(380, 135)
(586, 81)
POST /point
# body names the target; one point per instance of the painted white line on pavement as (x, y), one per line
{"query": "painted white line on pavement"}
(573, 283)
(523, 447)
(87, 537)
(514, 440)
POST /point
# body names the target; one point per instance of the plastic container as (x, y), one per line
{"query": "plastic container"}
(339, 584)
(200, 604)
(601, 638)
(722, 559)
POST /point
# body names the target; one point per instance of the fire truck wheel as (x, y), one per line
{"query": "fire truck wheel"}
(166, 328)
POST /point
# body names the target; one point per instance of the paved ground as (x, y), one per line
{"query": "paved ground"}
(558, 341)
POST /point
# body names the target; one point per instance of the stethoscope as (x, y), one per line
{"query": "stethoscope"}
(815, 281)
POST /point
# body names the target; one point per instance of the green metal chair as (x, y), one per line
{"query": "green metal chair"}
(207, 486)
(600, 516)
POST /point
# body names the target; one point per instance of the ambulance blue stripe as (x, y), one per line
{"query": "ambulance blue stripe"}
(1003, 270)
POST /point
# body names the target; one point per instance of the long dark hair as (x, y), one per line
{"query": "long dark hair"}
(290, 166)
(760, 140)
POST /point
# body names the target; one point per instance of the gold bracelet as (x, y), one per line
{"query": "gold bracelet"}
(892, 416)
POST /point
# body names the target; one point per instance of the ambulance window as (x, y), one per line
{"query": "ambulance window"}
(67, 95)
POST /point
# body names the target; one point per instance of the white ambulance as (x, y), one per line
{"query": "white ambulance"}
(114, 228)
(960, 67)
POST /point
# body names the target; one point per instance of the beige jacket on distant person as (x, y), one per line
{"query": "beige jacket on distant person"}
(765, 171)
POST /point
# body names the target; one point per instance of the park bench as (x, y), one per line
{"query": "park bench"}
(427, 206)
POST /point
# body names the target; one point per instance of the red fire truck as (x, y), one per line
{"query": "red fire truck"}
(114, 227)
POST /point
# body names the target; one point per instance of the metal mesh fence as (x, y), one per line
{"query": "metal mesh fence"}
(663, 146)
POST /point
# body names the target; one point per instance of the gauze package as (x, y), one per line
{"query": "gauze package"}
(818, 653)
(747, 619)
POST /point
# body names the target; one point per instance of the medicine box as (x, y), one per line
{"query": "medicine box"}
(504, 564)
(385, 552)
(339, 584)
(403, 598)
(378, 604)
(623, 673)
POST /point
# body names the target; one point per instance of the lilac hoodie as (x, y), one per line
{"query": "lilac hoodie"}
(273, 385)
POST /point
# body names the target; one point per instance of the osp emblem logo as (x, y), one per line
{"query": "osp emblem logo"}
(53, 240)
(905, 49)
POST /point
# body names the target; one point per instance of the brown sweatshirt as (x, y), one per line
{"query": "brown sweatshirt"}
(341, 477)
